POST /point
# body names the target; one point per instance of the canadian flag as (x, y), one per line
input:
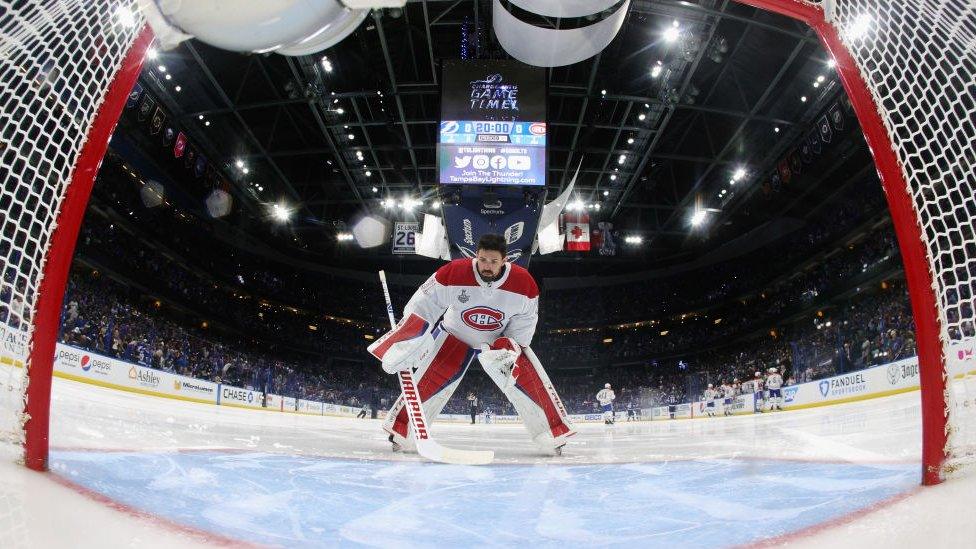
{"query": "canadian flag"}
(577, 232)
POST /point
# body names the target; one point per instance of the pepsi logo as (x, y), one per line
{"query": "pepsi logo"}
(538, 129)
(484, 319)
(86, 363)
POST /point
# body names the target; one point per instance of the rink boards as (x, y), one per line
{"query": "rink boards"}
(87, 367)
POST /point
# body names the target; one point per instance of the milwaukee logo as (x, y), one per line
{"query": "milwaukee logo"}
(413, 404)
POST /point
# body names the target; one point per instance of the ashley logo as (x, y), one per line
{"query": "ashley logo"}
(484, 319)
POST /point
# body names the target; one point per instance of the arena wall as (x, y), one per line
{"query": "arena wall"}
(87, 367)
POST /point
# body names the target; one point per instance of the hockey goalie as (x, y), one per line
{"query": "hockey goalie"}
(485, 310)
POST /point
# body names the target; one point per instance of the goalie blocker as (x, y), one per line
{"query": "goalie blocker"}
(440, 360)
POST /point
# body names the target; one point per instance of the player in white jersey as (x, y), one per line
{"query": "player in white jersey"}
(482, 308)
(728, 393)
(774, 382)
(709, 397)
(606, 397)
(757, 387)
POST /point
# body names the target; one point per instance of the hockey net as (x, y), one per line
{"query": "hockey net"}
(62, 87)
(908, 66)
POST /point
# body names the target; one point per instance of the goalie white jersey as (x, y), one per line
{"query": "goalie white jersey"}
(476, 311)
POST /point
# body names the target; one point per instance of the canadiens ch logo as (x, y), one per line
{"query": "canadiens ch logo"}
(464, 297)
(484, 319)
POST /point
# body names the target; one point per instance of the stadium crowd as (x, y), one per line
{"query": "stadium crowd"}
(147, 289)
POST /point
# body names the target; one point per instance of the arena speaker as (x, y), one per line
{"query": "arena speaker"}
(547, 47)
(289, 27)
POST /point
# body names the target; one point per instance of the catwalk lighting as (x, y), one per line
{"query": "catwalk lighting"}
(697, 218)
(634, 240)
(280, 212)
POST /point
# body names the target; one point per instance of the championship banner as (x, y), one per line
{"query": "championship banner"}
(493, 124)
(505, 213)
(405, 237)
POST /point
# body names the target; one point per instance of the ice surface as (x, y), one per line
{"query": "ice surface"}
(183, 474)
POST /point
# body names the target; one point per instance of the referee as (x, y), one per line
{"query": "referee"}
(473, 403)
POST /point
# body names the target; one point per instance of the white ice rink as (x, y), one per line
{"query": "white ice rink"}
(151, 472)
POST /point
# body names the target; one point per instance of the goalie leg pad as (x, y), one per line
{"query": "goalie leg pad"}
(436, 380)
(536, 401)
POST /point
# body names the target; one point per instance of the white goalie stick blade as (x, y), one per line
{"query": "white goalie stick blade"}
(427, 447)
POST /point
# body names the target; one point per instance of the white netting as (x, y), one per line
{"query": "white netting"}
(57, 59)
(919, 60)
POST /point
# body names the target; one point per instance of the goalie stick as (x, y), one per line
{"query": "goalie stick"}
(426, 446)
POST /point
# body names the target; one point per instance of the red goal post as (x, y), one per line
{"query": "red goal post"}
(908, 68)
(66, 70)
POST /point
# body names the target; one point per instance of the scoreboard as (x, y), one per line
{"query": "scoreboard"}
(493, 129)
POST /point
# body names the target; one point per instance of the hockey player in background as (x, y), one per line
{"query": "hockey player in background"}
(631, 411)
(709, 397)
(489, 309)
(606, 397)
(774, 382)
(757, 388)
(728, 393)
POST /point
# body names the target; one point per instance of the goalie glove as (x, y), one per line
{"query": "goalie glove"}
(501, 356)
(404, 346)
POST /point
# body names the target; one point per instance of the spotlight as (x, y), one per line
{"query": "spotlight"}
(697, 218)
(351, 136)
(436, 205)
(280, 212)
(153, 53)
(642, 117)
(673, 33)
(606, 193)
(630, 141)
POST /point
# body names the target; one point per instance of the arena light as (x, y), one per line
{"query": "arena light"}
(152, 53)
(803, 99)
(739, 174)
(641, 117)
(179, 89)
(656, 70)
(634, 240)
(239, 163)
(375, 190)
(831, 63)
(606, 193)
(280, 212)
(613, 177)
(369, 173)
(621, 159)
(351, 136)
(326, 64)
(436, 205)
(673, 32)
(597, 206)
(860, 27)
(345, 237)
(125, 16)
(698, 217)
(162, 68)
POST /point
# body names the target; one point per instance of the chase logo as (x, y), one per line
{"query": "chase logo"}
(449, 127)
(824, 387)
(86, 363)
(483, 319)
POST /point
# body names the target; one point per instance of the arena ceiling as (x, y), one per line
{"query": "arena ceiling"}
(337, 133)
